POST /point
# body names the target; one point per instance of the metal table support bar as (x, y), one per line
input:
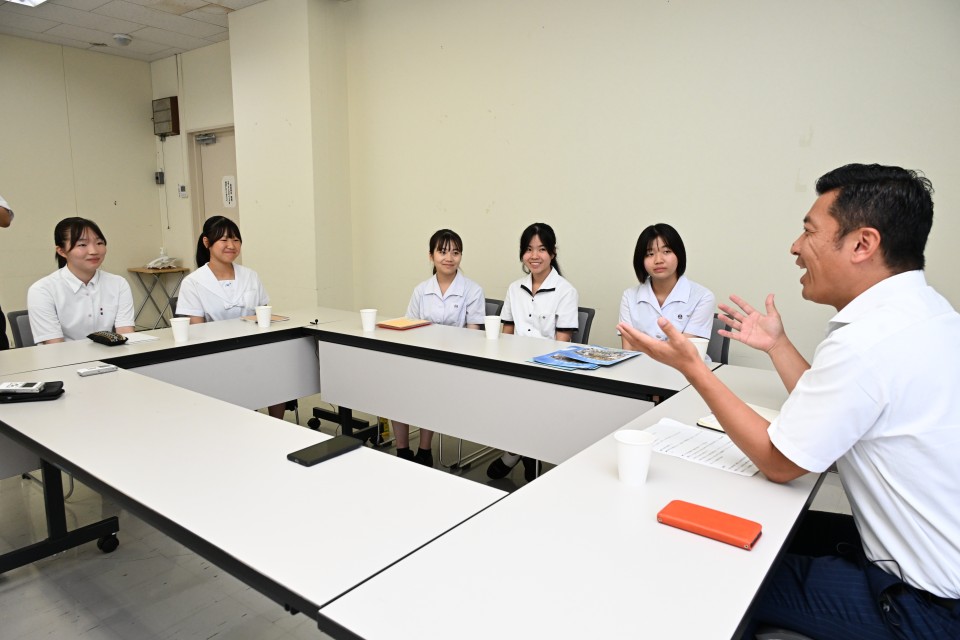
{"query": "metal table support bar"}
(58, 538)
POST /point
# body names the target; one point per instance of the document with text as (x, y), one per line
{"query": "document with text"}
(712, 448)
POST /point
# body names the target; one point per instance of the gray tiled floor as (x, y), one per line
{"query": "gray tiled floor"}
(151, 587)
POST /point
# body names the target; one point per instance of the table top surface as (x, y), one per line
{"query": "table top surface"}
(579, 554)
(451, 343)
(221, 472)
(79, 351)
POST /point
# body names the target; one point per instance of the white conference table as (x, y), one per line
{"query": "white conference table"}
(579, 554)
(457, 382)
(215, 477)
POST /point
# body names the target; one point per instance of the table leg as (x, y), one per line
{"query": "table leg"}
(58, 538)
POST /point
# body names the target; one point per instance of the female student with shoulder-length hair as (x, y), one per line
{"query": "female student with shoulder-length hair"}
(449, 298)
(220, 289)
(660, 260)
(79, 298)
(541, 305)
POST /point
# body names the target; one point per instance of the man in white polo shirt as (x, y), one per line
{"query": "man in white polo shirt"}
(880, 399)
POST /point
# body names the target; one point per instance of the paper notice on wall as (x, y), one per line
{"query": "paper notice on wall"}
(230, 192)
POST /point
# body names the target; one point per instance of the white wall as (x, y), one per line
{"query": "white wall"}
(201, 79)
(603, 117)
(290, 113)
(76, 140)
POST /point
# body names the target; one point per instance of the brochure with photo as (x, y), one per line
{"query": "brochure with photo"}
(561, 360)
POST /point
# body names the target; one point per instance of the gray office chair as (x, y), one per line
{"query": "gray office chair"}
(23, 337)
(20, 326)
(494, 307)
(585, 316)
(719, 347)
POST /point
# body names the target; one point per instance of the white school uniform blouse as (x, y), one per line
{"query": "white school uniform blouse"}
(60, 305)
(689, 307)
(552, 309)
(201, 294)
(462, 304)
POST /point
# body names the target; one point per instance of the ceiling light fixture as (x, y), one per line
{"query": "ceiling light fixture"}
(28, 3)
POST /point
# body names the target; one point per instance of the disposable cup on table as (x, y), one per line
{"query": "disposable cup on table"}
(264, 314)
(492, 326)
(181, 329)
(634, 449)
(701, 345)
(368, 319)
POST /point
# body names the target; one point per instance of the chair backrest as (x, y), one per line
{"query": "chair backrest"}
(494, 306)
(719, 347)
(20, 326)
(585, 316)
(173, 305)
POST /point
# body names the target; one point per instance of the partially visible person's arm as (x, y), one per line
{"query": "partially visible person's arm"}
(124, 322)
(6, 217)
(765, 332)
(746, 428)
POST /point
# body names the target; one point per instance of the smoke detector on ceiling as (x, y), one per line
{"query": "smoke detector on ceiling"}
(122, 39)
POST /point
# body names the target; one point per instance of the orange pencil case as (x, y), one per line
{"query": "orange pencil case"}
(711, 523)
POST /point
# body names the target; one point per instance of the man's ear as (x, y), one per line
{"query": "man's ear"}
(866, 244)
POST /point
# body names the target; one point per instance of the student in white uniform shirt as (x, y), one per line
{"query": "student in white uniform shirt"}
(541, 305)
(220, 289)
(660, 260)
(79, 299)
(448, 298)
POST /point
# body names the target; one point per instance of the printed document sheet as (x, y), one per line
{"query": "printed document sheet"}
(712, 448)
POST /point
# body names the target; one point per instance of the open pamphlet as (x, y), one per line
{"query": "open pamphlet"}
(584, 357)
(402, 324)
(711, 422)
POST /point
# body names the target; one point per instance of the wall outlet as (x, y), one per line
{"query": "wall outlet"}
(182, 190)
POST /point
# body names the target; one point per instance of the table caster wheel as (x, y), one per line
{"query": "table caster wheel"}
(108, 544)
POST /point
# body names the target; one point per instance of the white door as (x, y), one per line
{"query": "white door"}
(215, 155)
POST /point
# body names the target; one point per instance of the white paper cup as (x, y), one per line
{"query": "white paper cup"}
(701, 345)
(181, 329)
(368, 318)
(634, 448)
(492, 326)
(264, 314)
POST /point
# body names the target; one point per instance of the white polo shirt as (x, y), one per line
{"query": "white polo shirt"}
(462, 304)
(202, 295)
(552, 309)
(62, 306)
(881, 398)
(689, 308)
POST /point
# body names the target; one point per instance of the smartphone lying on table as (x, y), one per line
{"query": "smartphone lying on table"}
(317, 453)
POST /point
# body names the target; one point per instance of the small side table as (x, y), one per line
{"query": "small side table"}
(156, 278)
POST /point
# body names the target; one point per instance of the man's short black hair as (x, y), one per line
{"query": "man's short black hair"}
(895, 201)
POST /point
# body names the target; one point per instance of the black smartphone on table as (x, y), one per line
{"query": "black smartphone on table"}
(317, 453)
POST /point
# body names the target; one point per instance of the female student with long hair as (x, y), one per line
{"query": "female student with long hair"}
(220, 289)
(660, 260)
(540, 305)
(79, 298)
(449, 298)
